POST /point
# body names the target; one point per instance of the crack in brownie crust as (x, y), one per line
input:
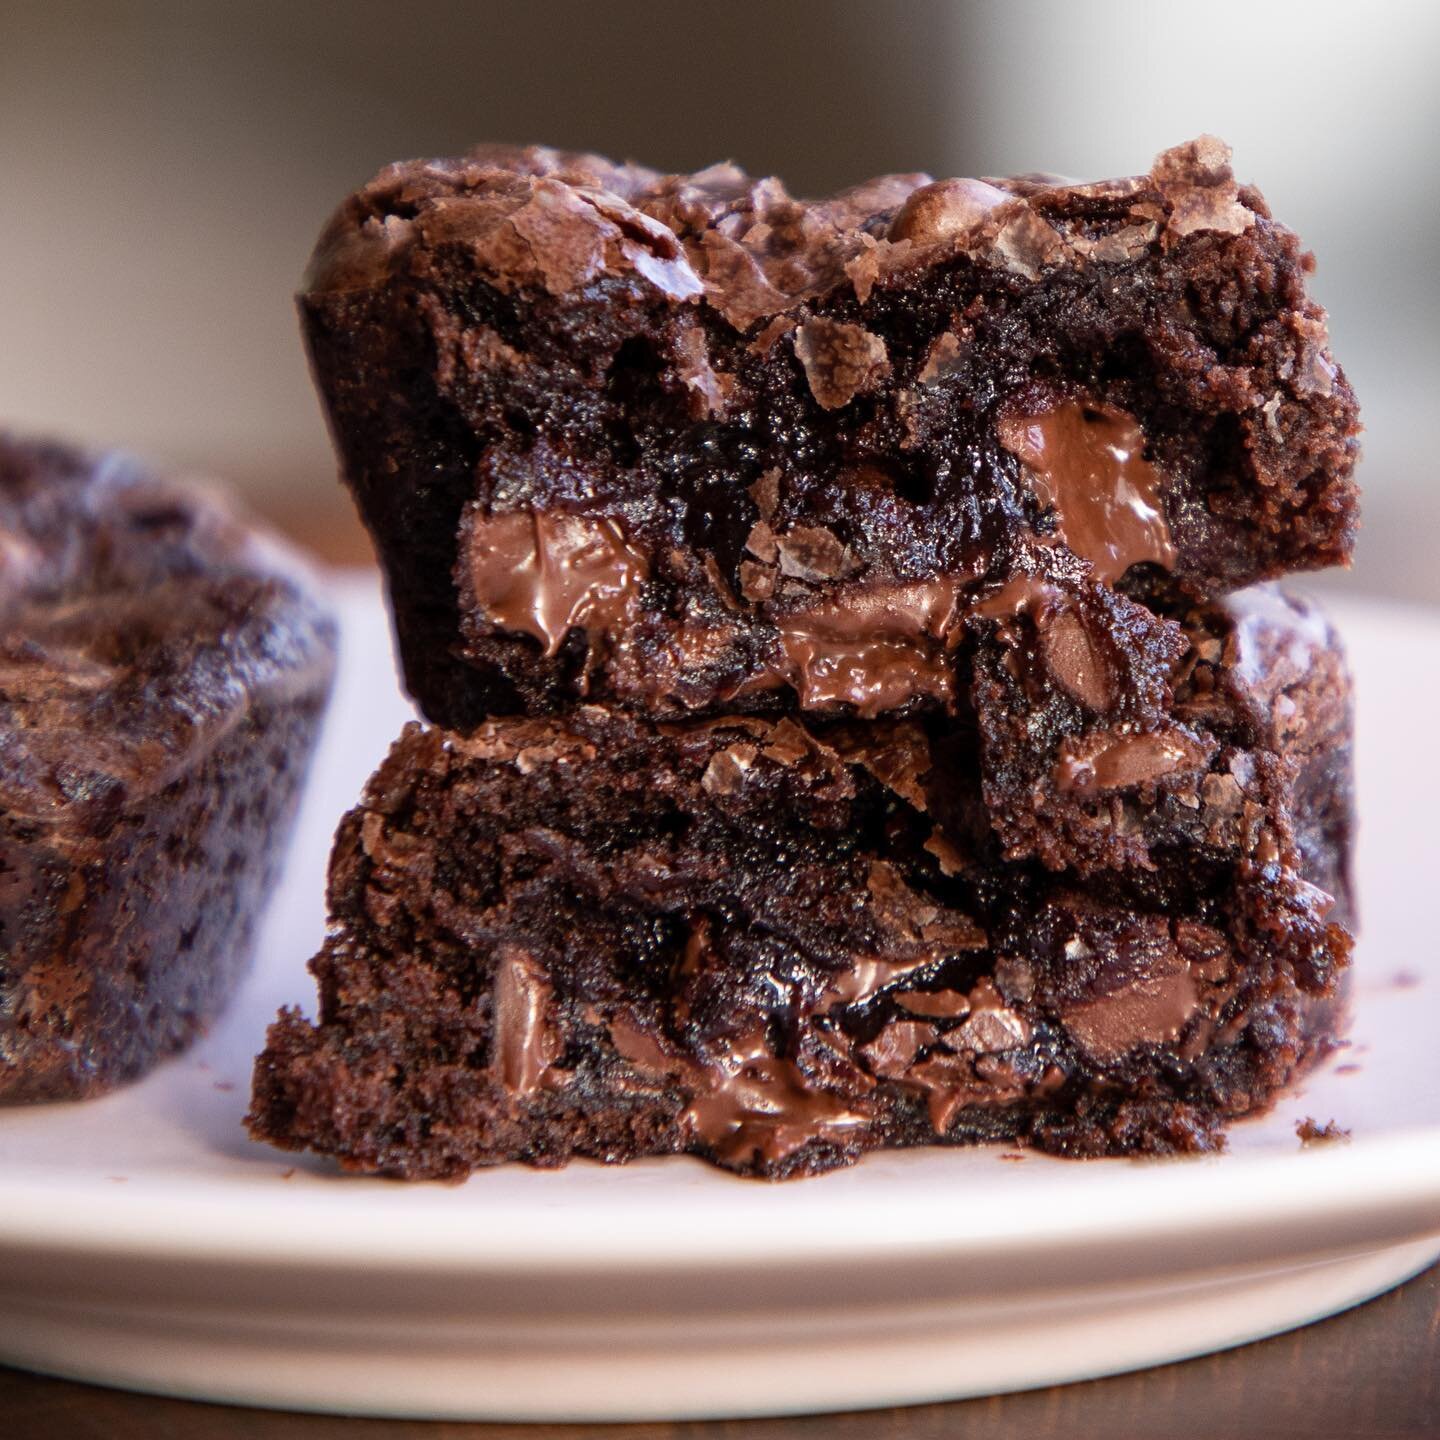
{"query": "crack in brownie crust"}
(163, 670)
(686, 444)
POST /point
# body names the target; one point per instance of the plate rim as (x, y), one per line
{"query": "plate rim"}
(1374, 1182)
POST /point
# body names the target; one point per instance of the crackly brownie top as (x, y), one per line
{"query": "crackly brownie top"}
(140, 619)
(560, 220)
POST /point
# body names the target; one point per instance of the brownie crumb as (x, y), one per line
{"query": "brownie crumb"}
(1311, 1133)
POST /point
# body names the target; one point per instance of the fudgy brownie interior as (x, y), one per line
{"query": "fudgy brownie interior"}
(687, 444)
(1107, 731)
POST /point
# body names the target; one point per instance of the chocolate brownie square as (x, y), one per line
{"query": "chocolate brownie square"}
(778, 944)
(687, 445)
(163, 671)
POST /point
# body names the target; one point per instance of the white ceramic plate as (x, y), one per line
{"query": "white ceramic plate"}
(145, 1242)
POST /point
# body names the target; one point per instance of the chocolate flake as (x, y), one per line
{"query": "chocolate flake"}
(806, 552)
(841, 361)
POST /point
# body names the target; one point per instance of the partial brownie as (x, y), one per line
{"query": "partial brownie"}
(1107, 732)
(686, 444)
(777, 946)
(163, 671)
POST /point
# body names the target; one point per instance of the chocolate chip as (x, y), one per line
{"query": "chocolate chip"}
(1114, 760)
(1153, 1009)
(1076, 662)
(939, 212)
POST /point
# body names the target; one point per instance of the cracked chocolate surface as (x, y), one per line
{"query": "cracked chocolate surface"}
(163, 668)
(779, 942)
(780, 412)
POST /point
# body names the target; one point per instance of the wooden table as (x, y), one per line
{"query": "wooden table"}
(1373, 1372)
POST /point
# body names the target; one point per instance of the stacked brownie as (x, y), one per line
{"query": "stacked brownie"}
(843, 732)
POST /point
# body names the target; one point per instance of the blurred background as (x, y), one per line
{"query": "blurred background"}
(167, 164)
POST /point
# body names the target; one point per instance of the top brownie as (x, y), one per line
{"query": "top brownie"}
(683, 443)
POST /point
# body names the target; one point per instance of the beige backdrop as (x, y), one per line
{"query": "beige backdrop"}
(166, 165)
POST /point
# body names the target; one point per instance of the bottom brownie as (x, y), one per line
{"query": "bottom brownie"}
(751, 941)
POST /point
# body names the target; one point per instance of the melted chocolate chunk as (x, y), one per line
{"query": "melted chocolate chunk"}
(524, 1041)
(1089, 467)
(872, 648)
(544, 575)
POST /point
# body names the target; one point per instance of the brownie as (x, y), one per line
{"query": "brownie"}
(686, 445)
(1106, 732)
(163, 671)
(778, 944)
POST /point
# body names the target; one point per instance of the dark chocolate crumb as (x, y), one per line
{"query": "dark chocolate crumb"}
(1311, 1133)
